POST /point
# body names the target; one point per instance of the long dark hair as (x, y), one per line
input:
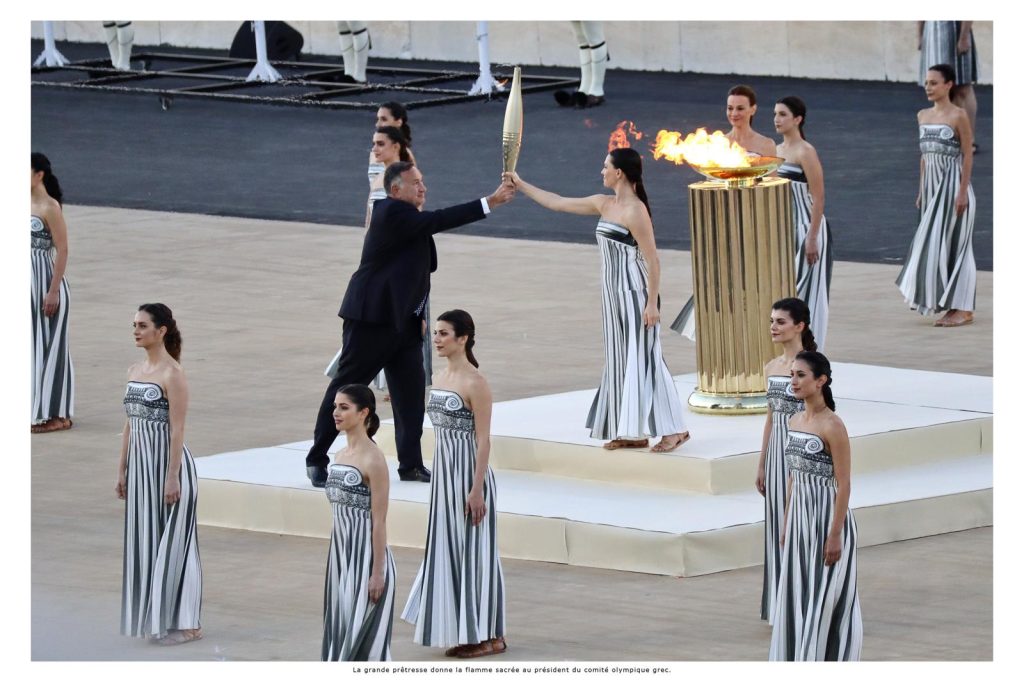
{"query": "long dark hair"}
(745, 91)
(396, 136)
(820, 366)
(398, 111)
(628, 160)
(163, 317)
(462, 323)
(798, 312)
(362, 397)
(796, 107)
(41, 163)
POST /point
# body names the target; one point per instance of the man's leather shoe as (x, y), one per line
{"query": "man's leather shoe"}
(421, 474)
(317, 476)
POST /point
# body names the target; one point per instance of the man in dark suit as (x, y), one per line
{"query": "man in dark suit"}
(383, 312)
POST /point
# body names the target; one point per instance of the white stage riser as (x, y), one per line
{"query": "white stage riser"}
(873, 452)
(292, 511)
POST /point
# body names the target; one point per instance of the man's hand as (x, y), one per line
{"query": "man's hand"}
(506, 190)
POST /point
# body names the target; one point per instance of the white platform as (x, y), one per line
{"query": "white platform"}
(922, 463)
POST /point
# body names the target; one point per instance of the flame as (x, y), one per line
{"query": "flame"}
(700, 149)
(620, 136)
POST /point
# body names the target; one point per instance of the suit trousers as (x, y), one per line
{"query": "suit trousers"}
(366, 349)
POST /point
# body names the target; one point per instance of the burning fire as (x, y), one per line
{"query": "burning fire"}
(700, 149)
(620, 136)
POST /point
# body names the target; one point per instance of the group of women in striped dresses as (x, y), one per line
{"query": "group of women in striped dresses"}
(457, 600)
(809, 595)
(53, 377)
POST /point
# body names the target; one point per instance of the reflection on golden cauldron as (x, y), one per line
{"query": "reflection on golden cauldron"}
(743, 176)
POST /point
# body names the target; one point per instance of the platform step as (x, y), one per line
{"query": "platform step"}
(600, 524)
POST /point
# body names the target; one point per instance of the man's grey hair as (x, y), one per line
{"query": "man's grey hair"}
(393, 174)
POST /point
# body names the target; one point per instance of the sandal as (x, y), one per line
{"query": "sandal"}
(55, 424)
(175, 637)
(487, 648)
(619, 443)
(663, 447)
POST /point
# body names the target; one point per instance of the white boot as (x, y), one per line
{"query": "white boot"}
(598, 59)
(348, 52)
(125, 39)
(586, 64)
(361, 47)
(110, 31)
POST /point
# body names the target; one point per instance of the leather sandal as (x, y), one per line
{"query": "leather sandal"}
(487, 648)
(662, 447)
(620, 443)
(175, 637)
(456, 650)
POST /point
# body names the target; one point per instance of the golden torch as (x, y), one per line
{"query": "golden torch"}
(512, 130)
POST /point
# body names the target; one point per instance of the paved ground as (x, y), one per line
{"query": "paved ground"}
(256, 301)
(304, 164)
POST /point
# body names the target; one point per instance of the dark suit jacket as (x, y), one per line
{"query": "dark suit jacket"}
(398, 256)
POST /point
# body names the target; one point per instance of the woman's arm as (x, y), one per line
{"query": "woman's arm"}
(177, 396)
(963, 43)
(591, 205)
(765, 435)
(839, 445)
(121, 487)
(816, 186)
(479, 395)
(963, 129)
(642, 229)
(379, 486)
(59, 231)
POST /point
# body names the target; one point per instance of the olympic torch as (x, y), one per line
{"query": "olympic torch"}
(512, 130)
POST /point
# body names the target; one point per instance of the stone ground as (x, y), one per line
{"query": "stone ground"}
(256, 301)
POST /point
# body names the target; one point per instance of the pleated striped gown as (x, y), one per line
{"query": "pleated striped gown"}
(783, 405)
(817, 614)
(939, 273)
(939, 46)
(458, 596)
(53, 377)
(812, 281)
(355, 629)
(637, 397)
(162, 584)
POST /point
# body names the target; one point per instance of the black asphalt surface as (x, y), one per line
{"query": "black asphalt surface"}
(309, 164)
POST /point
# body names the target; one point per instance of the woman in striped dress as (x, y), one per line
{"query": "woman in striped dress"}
(53, 377)
(939, 274)
(812, 237)
(952, 42)
(789, 328)
(817, 614)
(637, 397)
(162, 586)
(458, 598)
(359, 589)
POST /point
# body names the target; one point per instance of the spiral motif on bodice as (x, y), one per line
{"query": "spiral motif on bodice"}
(37, 225)
(946, 133)
(151, 393)
(453, 402)
(813, 445)
(352, 477)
